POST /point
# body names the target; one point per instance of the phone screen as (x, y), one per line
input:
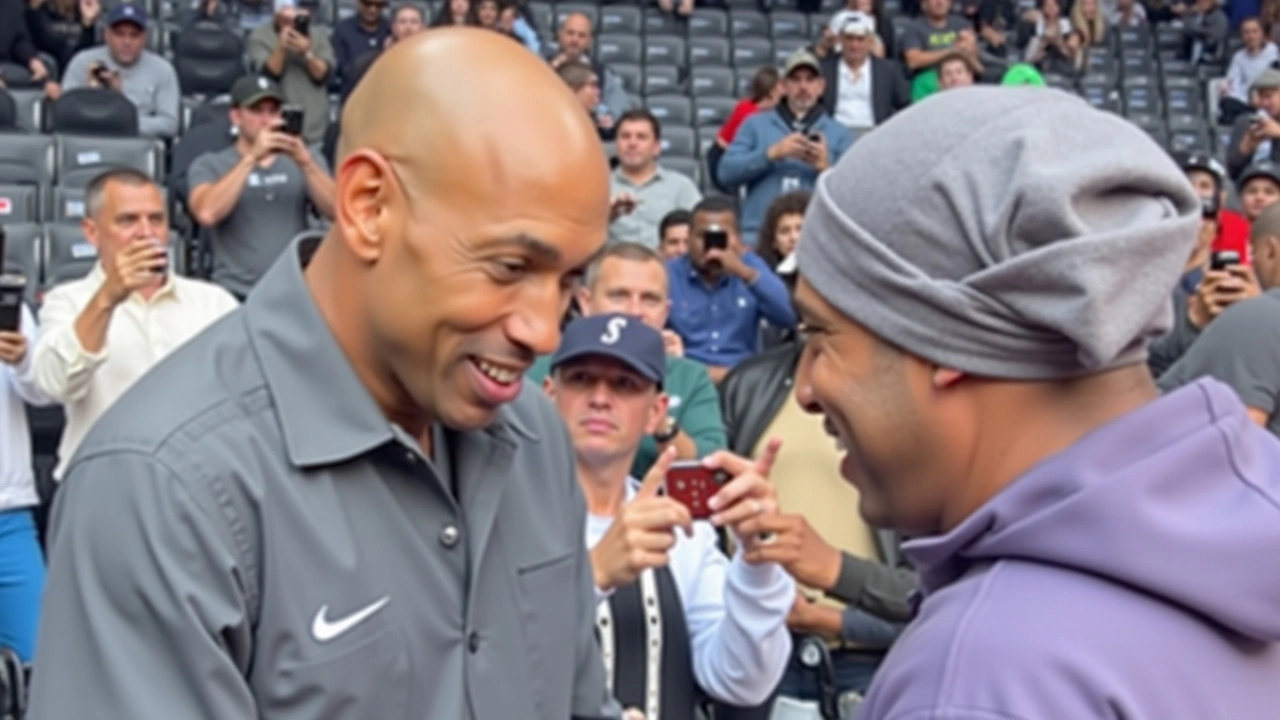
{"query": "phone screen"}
(302, 24)
(292, 120)
(715, 239)
(1224, 259)
(11, 289)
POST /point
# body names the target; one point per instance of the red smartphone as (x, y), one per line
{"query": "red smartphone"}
(692, 485)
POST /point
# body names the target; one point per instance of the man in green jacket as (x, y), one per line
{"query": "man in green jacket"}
(632, 278)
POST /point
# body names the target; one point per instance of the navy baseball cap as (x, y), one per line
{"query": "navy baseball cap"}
(622, 337)
(135, 14)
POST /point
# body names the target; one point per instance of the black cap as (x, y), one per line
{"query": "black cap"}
(1203, 162)
(252, 89)
(621, 337)
(1264, 169)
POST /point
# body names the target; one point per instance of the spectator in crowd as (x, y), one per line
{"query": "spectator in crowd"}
(124, 64)
(1254, 134)
(1242, 346)
(766, 91)
(17, 48)
(780, 233)
(1209, 179)
(575, 41)
(930, 38)
(1069, 57)
(644, 192)
(585, 84)
(1128, 14)
(862, 91)
(1247, 64)
(513, 21)
(1259, 188)
(673, 234)
(1049, 42)
(631, 278)
(676, 617)
(955, 72)
(1087, 17)
(1205, 31)
(784, 149)
(62, 28)
(253, 195)
(885, 42)
(720, 294)
(987, 431)
(456, 12)
(205, 12)
(999, 24)
(367, 31)
(487, 13)
(679, 8)
(360, 424)
(104, 331)
(298, 57)
(406, 20)
(21, 561)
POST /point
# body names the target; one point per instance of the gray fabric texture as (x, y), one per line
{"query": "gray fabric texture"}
(1012, 233)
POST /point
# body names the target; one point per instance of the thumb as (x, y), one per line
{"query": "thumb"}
(657, 475)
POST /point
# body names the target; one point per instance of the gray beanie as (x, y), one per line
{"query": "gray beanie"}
(1011, 233)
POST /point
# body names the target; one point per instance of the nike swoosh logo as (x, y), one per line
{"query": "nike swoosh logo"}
(324, 630)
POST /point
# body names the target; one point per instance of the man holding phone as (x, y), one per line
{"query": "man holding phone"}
(674, 614)
(253, 195)
(301, 58)
(1254, 134)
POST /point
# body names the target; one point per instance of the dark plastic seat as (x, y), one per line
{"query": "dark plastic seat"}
(94, 111)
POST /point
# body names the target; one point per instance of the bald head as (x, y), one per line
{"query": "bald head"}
(574, 36)
(467, 202)
(1267, 225)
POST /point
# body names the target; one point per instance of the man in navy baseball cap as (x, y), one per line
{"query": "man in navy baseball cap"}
(128, 12)
(623, 338)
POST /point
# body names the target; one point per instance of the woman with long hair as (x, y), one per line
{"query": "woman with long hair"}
(1087, 17)
(456, 12)
(780, 232)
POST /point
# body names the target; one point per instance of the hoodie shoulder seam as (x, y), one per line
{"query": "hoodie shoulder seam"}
(1229, 444)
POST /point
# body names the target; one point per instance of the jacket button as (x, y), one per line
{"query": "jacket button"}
(449, 536)
(473, 642)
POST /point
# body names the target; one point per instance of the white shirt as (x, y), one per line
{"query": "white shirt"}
(736, 613)
(853, 97)
(17, 480)
(141, 333)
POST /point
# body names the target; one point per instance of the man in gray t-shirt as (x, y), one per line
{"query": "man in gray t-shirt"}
(927, 40)
(1241, 347)
(253, 195)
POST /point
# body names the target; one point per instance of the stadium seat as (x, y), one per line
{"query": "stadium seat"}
(748, 24)
(1100, 92)
(208, 59)
(621, 19)
(616, 48)
(708, 22)
(1178, 67)
(712, 81)
(30, 108)
(1187, 133)
(671, 109)
(591, 10)
(22, 252)
(19, 203)
(657, 22)
(216, 108)
(742, 82)
(749, 54)
(544, 16)
(26, 159)
(661, 80)
(679, 140)
(786, 24)
(711, 112)
(94, 111)
(1134, 38)
(68, 255)
(692, 167)
(784, 47)
(1102, 63)
(631, 75)
(8, 112)
(68, 204)
(1169, 38)
(1136, 62)
(1183, 95)
(709, 51)
(1141, 95)
(80, 159)
(664, 50)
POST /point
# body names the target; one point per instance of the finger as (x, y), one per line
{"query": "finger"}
(660, 514)
(734, 464)
(645, 559)
(747, 486)
(735, 513)
(764, 463)
(653, 540)
(778, 523)
(656, 478)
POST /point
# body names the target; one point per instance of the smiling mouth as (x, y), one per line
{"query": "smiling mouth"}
(835, 435)
(501, 374)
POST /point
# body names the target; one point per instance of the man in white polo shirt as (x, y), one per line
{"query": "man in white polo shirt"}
(102, 332)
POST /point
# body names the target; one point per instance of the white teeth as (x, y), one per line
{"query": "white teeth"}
(497, 374)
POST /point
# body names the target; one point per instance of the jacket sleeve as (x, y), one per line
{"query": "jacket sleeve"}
(771, 294)
(1236, 160)
(901, 88)
(701, 416)
(168, 105)
(875, 587)
(746, 158)
(866, 630)
(22, 377)
(143, 612)
(63, 368)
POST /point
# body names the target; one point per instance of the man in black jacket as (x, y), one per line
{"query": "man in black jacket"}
(864, 578)
(862, 90)
(16, 47)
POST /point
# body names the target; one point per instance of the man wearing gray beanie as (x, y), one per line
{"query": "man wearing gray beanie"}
(979, 279)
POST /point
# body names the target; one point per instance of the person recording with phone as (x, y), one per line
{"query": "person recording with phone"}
(299, 56)
(1253, 134)
(22, 571)
(675, 617)
(102, 332)
(721, 290)
(253, 195)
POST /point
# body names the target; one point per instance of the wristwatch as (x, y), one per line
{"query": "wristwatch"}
(668, 432)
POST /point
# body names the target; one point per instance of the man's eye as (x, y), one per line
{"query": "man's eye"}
(509, 270)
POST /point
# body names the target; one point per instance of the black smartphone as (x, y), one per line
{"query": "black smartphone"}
(1224, 259)
(1209, 207)
(302, 24)
(715, 238)
(12, 288)
(292, 115)
(102, 74)
(815, 137)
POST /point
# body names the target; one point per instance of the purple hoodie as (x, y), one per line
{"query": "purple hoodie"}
(1135, 576)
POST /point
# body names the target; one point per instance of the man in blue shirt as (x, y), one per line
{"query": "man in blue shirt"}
(720, 295)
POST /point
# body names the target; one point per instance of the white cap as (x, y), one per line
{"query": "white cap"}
(857, 23)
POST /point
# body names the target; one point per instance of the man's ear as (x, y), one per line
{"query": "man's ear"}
(946, 377)
(658, 413)
(549, 387)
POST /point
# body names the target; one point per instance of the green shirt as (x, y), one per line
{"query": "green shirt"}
(694, 403)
